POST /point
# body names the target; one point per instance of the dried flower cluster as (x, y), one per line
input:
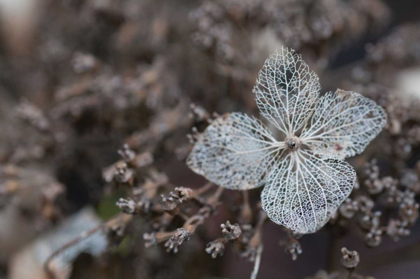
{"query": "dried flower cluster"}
(304, 176)
(387, 193)
(140, 75)
(221, 25)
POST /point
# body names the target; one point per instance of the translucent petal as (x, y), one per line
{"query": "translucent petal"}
(235, 152)
(304, 191)
(286, 91)
(343, 124)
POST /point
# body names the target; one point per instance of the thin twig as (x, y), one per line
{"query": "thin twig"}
(257, 263)
(204, 188)
(215, 197)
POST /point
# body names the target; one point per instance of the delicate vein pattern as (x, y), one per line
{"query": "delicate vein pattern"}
(302, 194)
(235, 152)
(304, 174)
(286, 91)
(343, 124)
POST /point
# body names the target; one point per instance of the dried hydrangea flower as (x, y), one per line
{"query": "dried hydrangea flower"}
(303, 170)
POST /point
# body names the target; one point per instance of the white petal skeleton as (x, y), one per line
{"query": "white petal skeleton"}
(303, 171)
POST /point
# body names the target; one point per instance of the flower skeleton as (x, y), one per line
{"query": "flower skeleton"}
(303, 168)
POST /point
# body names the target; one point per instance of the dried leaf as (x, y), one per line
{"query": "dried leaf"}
(304, 191)
(286, 91)
(343, 124)
(235, 152)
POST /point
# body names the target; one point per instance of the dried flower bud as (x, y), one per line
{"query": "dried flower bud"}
(292, 246)
(199, 113)
(348, 209)
(350, 258)
(373, 237)
(365, 204)
(131, 207)
(126, 153)
(374, 186)
(215, 248)
(127, 205)
(410, 180)
(409, 212)
(123, 174)
(370, 220)
(194, 136)
(372, 170)
(396, 196)
(180, 195)
(169, 205)
(177, 239)
(231, 232)
(396, 229)
(389, 182)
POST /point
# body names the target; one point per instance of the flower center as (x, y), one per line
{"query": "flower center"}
(293, 143)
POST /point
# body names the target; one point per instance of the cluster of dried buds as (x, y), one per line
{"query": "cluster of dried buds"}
(245, 236)
(292, 246)
(386, 193)
(172, 207)
(295, 23)
(143, 184)
(350, 260)
(230, 233)
(164, 211)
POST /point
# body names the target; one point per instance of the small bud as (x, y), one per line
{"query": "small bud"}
(373, 237)
(350, 258)
(126, 153)
(231, 232)
(215, 248)
(348, 209)
(292, 246)
(177, 239)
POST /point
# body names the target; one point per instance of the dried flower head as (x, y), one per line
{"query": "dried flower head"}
(231, 232)
(215, 248)
(350, 258)
(303, 170)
